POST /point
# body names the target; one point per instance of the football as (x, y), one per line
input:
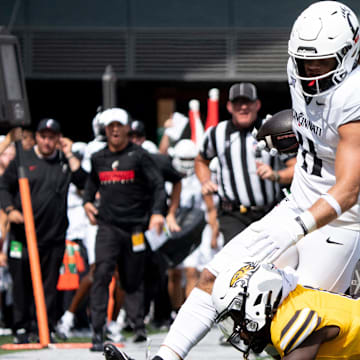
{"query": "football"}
(277, 133)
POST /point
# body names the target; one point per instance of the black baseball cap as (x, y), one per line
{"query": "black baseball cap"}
(137, 127)
(49, 124)
(245, 90)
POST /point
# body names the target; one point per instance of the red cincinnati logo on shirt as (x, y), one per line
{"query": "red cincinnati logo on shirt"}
(117, 176)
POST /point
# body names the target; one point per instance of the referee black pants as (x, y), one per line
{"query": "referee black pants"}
(114, 247)
(234, 222)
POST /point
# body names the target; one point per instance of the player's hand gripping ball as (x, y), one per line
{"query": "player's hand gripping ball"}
(277, 133)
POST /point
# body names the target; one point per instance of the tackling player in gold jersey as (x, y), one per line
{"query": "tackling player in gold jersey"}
(261, 307)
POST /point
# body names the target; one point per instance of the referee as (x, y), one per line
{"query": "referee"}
(248, 179)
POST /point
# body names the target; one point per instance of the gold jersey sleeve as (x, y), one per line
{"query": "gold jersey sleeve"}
(307, 310)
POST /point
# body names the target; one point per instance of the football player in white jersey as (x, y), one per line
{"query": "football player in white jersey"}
(316, 229)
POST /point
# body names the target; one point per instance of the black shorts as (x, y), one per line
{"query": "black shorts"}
(233, 222)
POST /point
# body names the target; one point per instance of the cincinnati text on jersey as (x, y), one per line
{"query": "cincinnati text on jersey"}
(117, 176)
(301, 120)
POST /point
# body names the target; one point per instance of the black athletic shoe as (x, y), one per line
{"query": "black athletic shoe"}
(111, 352)
(21, 337)
(140, 336)
(97, 342)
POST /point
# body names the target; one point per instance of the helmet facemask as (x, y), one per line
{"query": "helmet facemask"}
(316, 85)
(322, 84)
(246, 297)
(184, 154)
(185, 166)
(232, 322)
(243, 333)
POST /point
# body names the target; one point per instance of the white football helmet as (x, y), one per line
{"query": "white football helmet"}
(326, 29)
(98, 126)
(184, 155)
(246, 297)
(150, 147)
(78, 149)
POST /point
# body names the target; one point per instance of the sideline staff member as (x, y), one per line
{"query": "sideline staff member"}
(131, 191)
(50, 172)
(295, 321)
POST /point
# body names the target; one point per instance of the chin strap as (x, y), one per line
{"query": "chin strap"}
(264, 336)
(269, 314)
(246, 353)
(276, 304)
(271, 310)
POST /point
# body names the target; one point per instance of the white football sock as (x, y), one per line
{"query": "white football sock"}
(68, 317)
(192, 323)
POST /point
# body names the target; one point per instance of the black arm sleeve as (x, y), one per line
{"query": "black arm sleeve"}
(91, 185)
(9, 185)
(168, 171)
(156, 183)
(79, 177)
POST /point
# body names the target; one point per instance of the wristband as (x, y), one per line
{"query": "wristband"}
(71, 156)
(332, 202)
(307, 223)
(276, 176)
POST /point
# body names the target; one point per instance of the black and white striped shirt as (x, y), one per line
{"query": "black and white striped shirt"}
(237, 179)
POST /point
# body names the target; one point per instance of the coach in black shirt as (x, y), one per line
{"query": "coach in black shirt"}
(50, 172)
(248, 179)
(132, 199)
